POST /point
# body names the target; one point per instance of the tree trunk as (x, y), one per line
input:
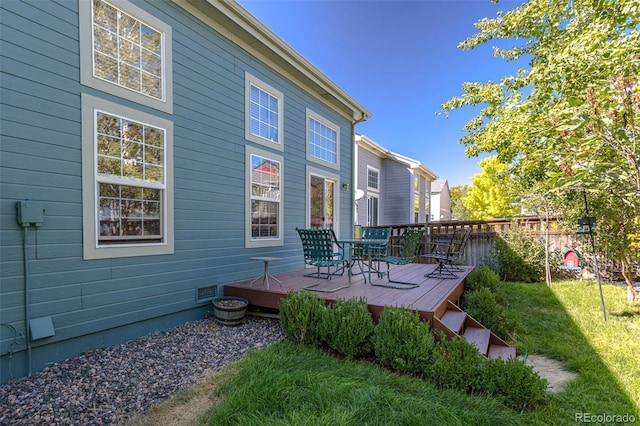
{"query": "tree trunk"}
(627, 272)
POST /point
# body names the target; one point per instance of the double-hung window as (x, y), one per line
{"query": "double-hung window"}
(263, 113)
(373, 188)
(126, 51)
(372, 179)
(127, 181)
(322, 140)
(264, 198)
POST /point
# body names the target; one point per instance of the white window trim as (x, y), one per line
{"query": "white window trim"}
(262, 242)
(370, 188)
(91, 249)
(86, 56)
(310, 170)
(321, 119)
(250, 80)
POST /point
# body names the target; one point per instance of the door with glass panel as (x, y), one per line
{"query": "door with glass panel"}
(321, 201)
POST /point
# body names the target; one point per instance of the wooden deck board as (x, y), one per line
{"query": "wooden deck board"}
(429, 297)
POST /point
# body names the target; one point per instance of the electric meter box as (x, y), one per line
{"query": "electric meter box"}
(30, 213)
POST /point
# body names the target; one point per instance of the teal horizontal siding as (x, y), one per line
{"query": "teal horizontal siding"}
(40, 158)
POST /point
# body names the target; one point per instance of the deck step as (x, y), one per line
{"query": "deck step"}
(454, 320)
(503, 352)
(478, 337)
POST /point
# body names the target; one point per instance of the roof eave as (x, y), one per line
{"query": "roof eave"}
(233, 21)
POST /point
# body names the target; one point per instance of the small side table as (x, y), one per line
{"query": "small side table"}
(265, 277)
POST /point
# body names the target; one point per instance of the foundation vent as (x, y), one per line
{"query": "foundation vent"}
(206, 294)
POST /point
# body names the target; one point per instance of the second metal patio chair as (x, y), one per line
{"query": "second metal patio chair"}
(319, 248)
(360, 253)
(407, 251)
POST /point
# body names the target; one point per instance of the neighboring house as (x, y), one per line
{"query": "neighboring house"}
(395, 188)
(160, 145)
(440, 201)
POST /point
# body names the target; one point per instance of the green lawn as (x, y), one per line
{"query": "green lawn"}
(566, 323)
(287, 384)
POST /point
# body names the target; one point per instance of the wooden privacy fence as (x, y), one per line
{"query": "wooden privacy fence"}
(484, 234)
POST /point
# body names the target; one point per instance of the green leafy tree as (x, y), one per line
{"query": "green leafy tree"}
(490, 196)
(458, 210)
(569, 121)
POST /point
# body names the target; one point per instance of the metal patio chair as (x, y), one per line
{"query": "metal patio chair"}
(446, 252)
(407, 252)
(319, 248)
(361, 253)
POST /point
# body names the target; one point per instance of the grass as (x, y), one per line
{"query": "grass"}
(566, 323)
(288, 384)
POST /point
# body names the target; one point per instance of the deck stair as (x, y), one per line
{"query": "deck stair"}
(456, 322)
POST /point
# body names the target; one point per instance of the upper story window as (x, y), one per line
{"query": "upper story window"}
(372, 179)
(264, 198)
(127, 175)
(322, 140)
(264, 107)
(126, 51)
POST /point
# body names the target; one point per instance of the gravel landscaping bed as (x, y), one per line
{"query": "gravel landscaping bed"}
(109, 385)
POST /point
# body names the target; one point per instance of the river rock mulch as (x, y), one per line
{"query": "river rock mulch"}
(109, 385)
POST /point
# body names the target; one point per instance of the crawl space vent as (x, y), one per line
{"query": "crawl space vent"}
(207, 294)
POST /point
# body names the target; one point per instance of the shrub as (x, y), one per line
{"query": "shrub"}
(348, 327)
(484, 306)
(512, 382)
(455, 365)
(402, 341)
(300, 314)
(482, 277)
(519, 257)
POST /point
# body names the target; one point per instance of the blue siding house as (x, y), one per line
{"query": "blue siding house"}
(148, 149)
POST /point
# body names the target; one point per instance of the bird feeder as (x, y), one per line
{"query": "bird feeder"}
(572, 260)
(585, 224)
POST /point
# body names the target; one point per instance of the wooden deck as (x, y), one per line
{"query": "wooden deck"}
(429, 299)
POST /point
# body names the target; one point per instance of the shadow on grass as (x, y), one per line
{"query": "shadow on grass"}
(566, 323)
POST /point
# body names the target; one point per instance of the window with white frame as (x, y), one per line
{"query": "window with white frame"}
(322, 140)
(373, 176)
(264, 189)
(264, 107)
(127, 172)
(372, 211)
(126, 51)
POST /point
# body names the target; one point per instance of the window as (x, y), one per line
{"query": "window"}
(372, 211)
(264, 189)
(372, 178)
(126, 51)
(127, 181)
(322, 140)
(263, 113)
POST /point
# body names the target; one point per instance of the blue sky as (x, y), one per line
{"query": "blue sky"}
(400, 60)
